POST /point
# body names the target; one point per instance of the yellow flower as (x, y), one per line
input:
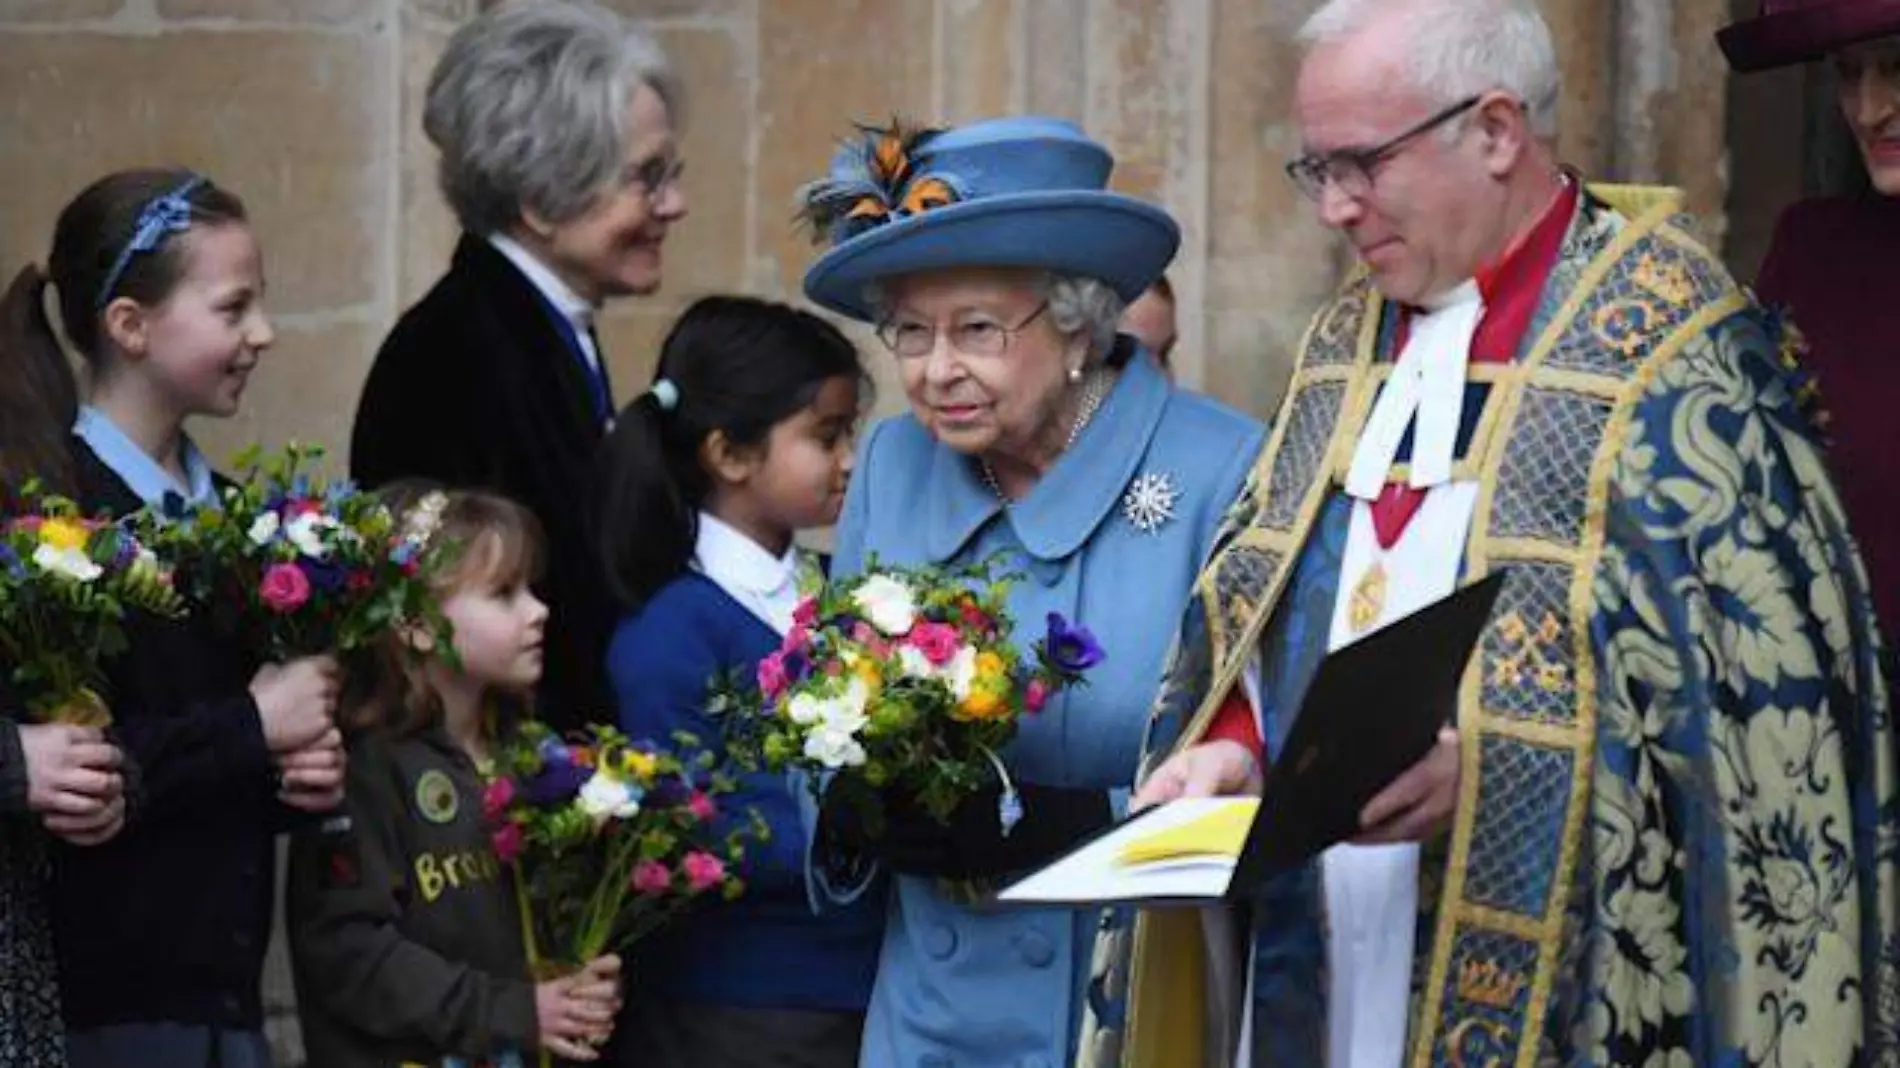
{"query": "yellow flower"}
(866, 671)
(642, 766)
(989, 666)
(985, 700)
(65, 535)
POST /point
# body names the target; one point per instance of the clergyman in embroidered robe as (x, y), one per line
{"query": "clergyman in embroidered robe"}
(1661, 827)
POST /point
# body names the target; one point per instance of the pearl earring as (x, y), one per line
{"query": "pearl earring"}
(1075, 374)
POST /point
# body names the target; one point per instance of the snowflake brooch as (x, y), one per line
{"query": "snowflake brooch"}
(1149, 503)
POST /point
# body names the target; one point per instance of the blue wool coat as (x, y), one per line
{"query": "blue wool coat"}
(962, 988)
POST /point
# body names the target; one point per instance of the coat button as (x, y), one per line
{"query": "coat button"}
(940, 941)
(1036, 949)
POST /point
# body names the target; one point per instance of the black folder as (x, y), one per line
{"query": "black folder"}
(1372, 711)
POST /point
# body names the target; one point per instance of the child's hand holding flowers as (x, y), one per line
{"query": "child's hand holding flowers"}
(576, 1012)
(74, 781)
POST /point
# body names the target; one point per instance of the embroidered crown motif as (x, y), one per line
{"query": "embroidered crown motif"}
(1666, 281)
(1484, 982)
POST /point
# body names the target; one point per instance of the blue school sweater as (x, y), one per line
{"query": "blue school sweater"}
(767, 949)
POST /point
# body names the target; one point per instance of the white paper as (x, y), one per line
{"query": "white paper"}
(1095, 873)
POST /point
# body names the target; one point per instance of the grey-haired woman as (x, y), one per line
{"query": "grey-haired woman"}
(556, 126)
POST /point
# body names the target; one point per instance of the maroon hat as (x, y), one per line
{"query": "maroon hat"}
(1796, 31)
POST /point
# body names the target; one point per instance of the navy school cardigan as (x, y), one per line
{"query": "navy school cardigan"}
(767, 949)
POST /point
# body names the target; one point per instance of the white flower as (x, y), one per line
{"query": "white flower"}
(264, 528)
(888, 604)
(805, 710)
(609, 797)
(856, 696)
(834, 747)
(72, 563)
(960, 672)
(915, 664)
(842, 717)
(306, 533)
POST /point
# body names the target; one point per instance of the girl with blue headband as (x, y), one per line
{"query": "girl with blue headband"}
(160, 934)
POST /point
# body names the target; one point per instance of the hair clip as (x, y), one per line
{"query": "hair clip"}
(665, 394)
(169, 214)
(423, 520)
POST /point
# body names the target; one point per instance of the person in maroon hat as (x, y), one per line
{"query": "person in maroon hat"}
(1833, 263)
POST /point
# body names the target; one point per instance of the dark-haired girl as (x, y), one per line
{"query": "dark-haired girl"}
(744, 439)
(160, 933)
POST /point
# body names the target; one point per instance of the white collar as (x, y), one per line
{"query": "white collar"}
(1427, 384)
(742, 566)
(1466, 292)
(557, 292)
(145, 476)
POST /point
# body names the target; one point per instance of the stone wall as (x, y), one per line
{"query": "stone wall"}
(310, 109)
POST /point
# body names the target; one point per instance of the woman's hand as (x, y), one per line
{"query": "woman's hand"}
(73, 781)
(1215, 769)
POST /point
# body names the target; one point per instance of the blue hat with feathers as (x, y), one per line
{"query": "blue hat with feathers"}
(1026, 191)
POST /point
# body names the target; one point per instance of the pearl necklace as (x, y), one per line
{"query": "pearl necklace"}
(1092, 396)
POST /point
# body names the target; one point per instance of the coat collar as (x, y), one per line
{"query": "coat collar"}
(534, 325)
(1074, 496)
(143, 475)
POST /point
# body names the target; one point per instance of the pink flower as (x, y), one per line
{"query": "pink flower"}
(303, 506)
(651, 878)
(702, 807)
(772, 678)
(937, 641)
(507, 842)
(796, 638)
(496, 798)
(285, 588)
(866, 635)
(806, 614)
(1036, 696)
(703, 871)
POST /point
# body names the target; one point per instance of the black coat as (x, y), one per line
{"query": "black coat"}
(168, 921)
(477, 387)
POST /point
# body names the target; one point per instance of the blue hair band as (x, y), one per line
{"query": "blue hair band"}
(164, 216)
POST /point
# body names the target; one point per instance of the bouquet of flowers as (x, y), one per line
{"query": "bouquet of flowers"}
(66, 583)
(609, 838)
(908, 678)
(298, 566)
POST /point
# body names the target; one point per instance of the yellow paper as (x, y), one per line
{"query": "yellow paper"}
(1220, 833)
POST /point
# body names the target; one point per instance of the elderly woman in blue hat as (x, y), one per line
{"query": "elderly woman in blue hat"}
(995, 266)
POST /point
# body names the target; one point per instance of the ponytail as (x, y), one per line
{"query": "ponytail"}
(39, 398)
(736, 365)
(652, 486)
